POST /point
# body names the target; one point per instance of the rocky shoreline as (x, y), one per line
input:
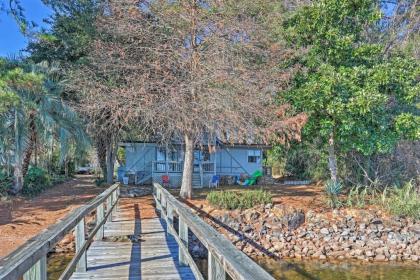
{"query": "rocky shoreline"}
(281, 232)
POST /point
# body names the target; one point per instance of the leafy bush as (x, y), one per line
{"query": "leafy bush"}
(359, 196)
(5, 183)
(238, 200)
(35, 181)
(404, 201)
(333, 190)
(58, 179)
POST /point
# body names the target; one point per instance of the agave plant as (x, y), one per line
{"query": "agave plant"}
(333, 190)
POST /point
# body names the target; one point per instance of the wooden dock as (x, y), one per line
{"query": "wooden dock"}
(134, 248)
(145, 238)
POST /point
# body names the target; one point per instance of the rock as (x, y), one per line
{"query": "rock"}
(369, 253)
(380, 258)
(322, 257)
(324, 231)
(296, 220)
(414, 258)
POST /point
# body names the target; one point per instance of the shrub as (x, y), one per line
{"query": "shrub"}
(333, 190)
(359, 196)
(35, 181)
(238, 200)
(5, 183)
(403, 201)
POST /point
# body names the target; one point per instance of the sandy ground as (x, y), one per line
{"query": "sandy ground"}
(298, 196)
(22, 218)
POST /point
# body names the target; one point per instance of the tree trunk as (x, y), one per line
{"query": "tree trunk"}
(110, 160)
(17, 173)
(31, 145)
(332, 160)
(186, 186)
(101, 154)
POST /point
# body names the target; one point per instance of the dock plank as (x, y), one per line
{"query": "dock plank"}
(152, 254)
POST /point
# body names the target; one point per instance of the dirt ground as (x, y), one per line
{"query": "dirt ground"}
(299, 196)
(22, 218)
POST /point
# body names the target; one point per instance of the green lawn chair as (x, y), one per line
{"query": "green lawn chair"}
(253, 179)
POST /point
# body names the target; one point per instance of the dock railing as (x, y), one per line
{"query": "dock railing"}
(30, 260)
(223, 257)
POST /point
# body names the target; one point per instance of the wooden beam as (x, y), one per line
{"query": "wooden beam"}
(100, 214)
(233, 261)
(80, 240)
(183, 235)
(215, 269)
(38, 271)
(14, 265)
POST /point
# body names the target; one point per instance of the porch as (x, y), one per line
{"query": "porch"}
(202, 172)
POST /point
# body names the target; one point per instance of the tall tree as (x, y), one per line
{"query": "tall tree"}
(37, 107)
(357, 99)
(186, 70)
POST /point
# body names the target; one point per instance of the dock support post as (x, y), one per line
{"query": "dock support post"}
(215, 269)
(38, 271)
(183, 235)
(100, 214)
(80, 239)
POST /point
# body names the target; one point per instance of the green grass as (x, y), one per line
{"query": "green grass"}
(239, 199)
(403, 201)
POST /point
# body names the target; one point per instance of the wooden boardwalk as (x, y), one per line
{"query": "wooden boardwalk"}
(135, 246)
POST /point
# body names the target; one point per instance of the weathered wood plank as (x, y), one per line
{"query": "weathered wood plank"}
(100, 214)
(38, 271)
(155, 256)
(79, 233)
(215, 269)
(183, 235)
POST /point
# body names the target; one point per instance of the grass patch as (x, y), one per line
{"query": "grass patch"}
(403, 201)
(239, 199)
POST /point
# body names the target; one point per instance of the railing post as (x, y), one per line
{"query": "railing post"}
(100, 214)
(80, 239)
(114, 201)
(170, 215)
(183, 235)
(215, 269)
(38, 271)
(108, 207)
(158, 201)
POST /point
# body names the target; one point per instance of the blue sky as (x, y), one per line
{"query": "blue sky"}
(11, 40)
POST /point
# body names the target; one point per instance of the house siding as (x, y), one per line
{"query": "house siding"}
(232, 161)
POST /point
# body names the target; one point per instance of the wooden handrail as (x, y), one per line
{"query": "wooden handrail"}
(28, 256)
(223, 256)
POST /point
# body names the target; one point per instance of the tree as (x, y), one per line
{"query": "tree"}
(357, 99)
(184, 70)
(36, 109)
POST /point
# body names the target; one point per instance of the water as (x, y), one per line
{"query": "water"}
(57, 264)
(300, 270)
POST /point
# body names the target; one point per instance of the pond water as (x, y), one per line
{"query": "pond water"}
(300, 270)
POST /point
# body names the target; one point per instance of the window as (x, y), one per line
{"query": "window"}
(160, 154)
(254, 156)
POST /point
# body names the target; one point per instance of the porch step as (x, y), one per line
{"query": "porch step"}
(196, 180)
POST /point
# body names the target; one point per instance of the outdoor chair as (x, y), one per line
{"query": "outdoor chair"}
(214, 182)
(165, 181)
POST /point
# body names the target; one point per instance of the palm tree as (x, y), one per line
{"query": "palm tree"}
(39, 114)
